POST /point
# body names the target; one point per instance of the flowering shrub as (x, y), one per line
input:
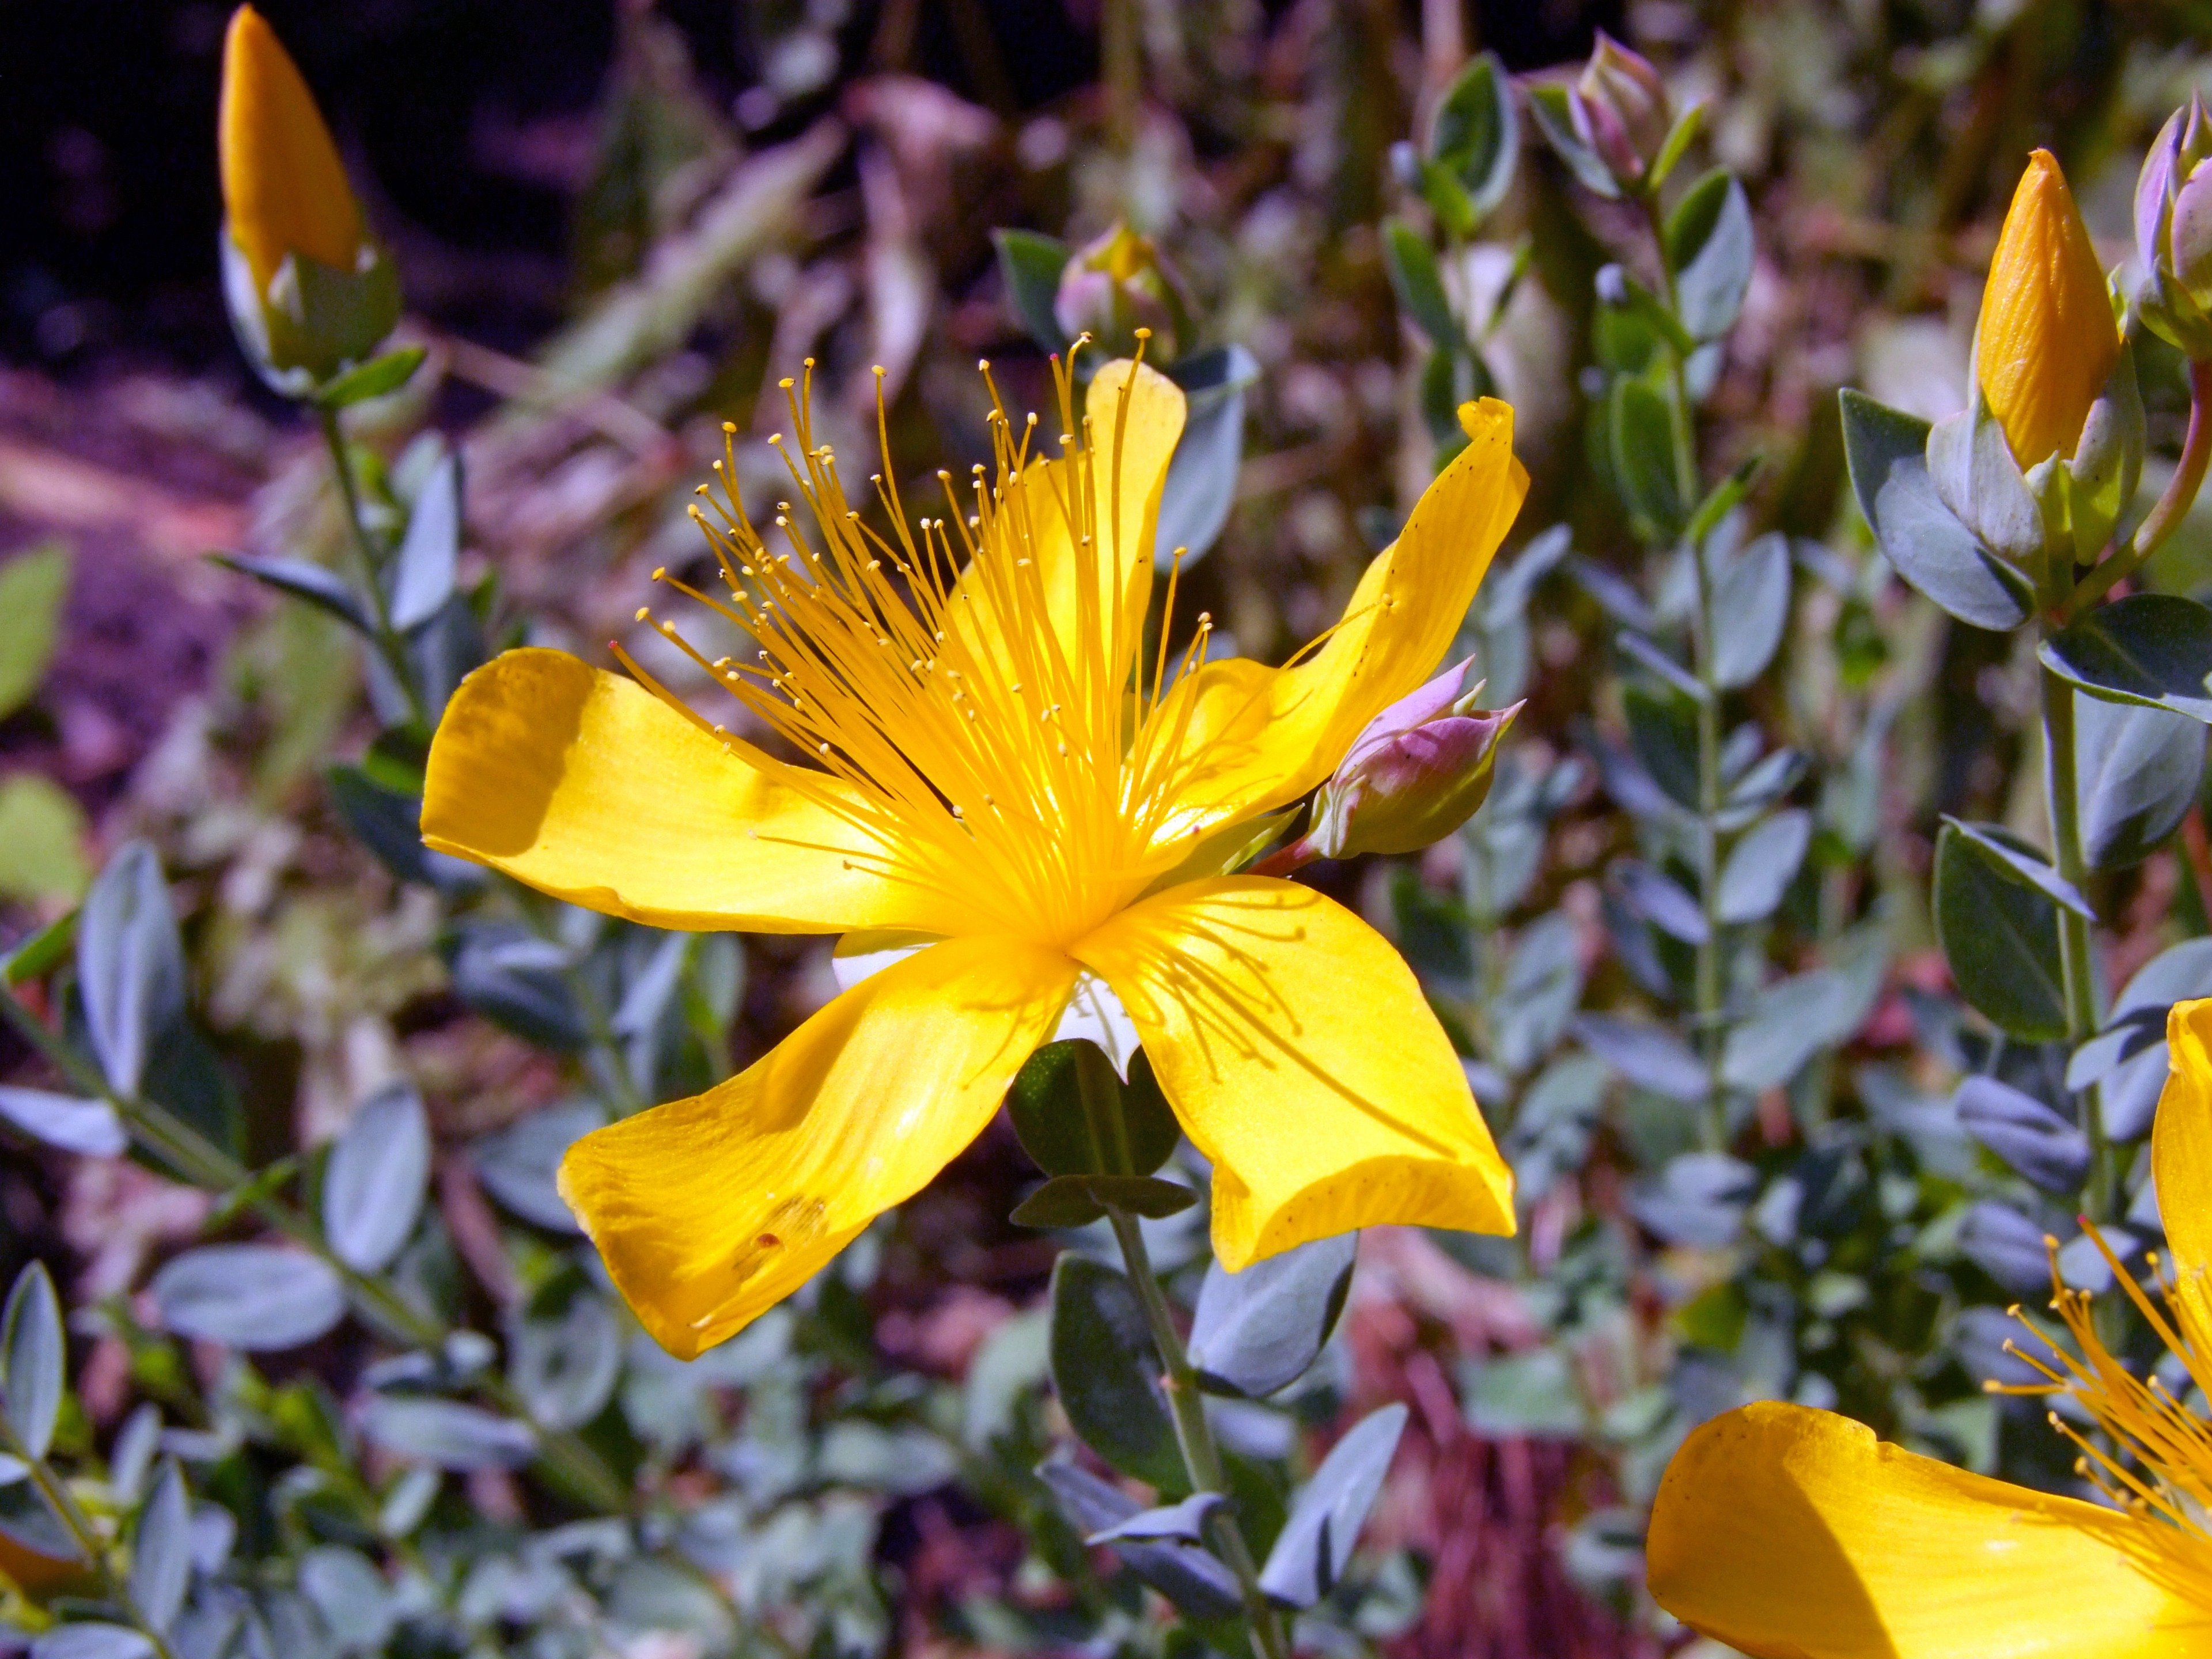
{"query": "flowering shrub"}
(1403, 939)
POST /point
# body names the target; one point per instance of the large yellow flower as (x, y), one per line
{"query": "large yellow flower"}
(1000, 774)
(1793, 1534)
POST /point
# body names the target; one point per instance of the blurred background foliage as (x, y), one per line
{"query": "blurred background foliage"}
(617, 225)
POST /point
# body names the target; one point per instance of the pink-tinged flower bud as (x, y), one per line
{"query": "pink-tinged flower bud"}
(1116, 285)
(1619, 108)
(1418, 772)
(2174, 232)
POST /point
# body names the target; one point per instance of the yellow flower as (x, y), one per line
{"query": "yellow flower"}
(284, 190)
(1793, 1534)
(1000, 771)
(2046, 341)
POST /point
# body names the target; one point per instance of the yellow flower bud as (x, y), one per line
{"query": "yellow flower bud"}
(283, 188)
(2047, 341)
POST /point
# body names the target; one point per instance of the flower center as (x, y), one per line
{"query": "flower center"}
(978, 728)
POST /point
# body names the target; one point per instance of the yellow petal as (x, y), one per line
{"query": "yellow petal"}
(1094, 595)
(1257, 737)
(2181, 1155)
(711, 1210)
(283, 186)
(586, 786)
(1297, 1050)
(1792, 1534)
(2046, 341)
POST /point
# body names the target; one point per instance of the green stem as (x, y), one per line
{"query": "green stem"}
(192, 1157)
(389, 644)
(58, 1498)
(1201, 1458)
(2075, 964)
(1682, 430)
(1121, 65)
(2172, 505)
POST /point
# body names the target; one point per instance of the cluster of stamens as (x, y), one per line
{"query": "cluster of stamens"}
(945, 718)
(2146, 1451)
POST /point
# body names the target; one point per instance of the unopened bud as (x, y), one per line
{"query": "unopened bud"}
(2174, 232)
(1116, 285)
(2047, 342)
(1619, 108)
(1418, 771)
(309, 290)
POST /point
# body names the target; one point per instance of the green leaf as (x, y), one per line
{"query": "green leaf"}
(32, 1347)
(1418, 282)
(129, 965)
(1030, 265)
(1679, 137)
(1256, 1332)
(1790, 1021)
(1663, 731)
(42, 831)
(1449, 379)
(390, 825)
(2154, 649)
(1711, 245)
(422, 568)
(1722, 500)
(257, 1298)
(1315, 1544)
(1077, 1201)
(1074, 1116)
(1751, 609)
(1106, 1372)
(2000, 936)
(1761, 866)
(2135, 772)
(1475, 135)
(32, 589)
(1191, 1578)
(1201, 481)
(1886, 451)
(515, 979)
(161, 1553)
(1547, 102)
(2010, 856)
(36, 956)
(372, 379)
(1622, 293)
(1532, 1394)
(376, 1179)
(1642, 438)
(303, 581)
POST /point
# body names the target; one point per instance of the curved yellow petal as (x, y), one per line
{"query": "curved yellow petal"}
(283, 188)
(586, 786)
(1792, 1534)
(1246, 738)
(2181, 1155)
(711, 1210)
(1094, 591)
(1297, 1050)
(2046, 341)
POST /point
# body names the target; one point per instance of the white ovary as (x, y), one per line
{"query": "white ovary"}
(1093, 1011)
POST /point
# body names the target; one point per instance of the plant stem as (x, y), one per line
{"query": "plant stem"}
(1682, 430)
(56, 1491)
(388, 644)
(1121, 53)
(2166, 514)
(194, 1158)
(2074, 943)
(1201, 1458)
